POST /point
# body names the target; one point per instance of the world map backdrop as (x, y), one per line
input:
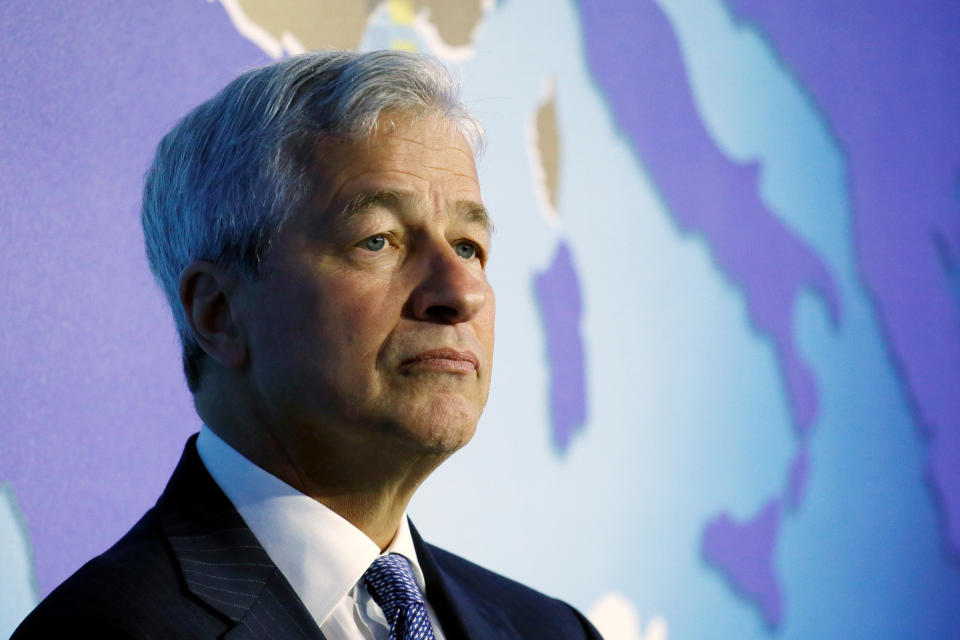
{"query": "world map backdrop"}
(727, 263)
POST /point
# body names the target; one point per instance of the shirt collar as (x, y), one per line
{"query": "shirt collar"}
(321, 554)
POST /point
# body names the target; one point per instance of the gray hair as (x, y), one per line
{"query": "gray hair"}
(225, 178)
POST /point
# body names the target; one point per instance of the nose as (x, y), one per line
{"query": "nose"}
(451, 290)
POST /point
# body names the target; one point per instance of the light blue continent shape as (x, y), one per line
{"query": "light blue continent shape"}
(20, 593)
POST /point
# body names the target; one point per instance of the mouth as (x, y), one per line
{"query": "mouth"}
(448, 360)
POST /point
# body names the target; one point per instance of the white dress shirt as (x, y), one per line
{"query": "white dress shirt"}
(322, 555)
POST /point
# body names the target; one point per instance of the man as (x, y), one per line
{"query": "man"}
(319, 231)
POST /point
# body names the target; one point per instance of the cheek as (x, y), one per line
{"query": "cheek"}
(358, 315)
(488, 323)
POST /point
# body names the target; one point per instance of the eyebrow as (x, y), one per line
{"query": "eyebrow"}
(471, 211)
(476, 213)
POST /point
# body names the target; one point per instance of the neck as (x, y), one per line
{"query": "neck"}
(368, 482)
(370, 487)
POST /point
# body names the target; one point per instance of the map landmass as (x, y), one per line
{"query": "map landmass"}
(904, 197)
(749, 546)
(547, 152)
(557, 292)
(295, 26)
(456, 21)
(636, 60)
(557, 288)
(316, 24)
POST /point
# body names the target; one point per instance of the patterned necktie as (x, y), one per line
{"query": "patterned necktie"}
(390, 581)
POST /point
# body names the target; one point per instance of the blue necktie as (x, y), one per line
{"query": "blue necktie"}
(390, 581)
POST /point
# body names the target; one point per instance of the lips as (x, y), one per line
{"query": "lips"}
(443, 360)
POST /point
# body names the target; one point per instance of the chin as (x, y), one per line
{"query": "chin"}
(443, 426)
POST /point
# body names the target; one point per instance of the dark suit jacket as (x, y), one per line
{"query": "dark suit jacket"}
(190, 568)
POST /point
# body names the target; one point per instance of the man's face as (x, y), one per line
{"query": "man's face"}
(373, 321)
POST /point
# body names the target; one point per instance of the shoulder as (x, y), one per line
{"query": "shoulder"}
(531, 613)
(132, 590)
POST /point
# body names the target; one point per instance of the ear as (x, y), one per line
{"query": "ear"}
(205, 293)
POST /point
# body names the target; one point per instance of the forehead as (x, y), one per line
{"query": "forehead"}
(425, 155)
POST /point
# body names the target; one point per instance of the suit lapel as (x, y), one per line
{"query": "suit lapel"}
(224, 566)
(462, 613)
(221, 561)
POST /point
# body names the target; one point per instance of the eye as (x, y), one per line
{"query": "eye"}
(466, 250)
(374, 243)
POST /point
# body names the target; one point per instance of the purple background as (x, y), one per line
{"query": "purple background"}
(95, 410)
